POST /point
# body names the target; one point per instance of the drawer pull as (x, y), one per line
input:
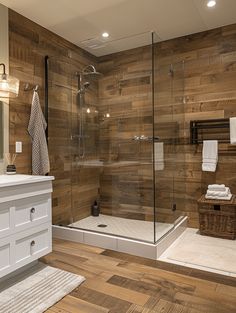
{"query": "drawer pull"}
(32, 210)
(32, 243)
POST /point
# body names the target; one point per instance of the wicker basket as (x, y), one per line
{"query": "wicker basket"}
(217, 218)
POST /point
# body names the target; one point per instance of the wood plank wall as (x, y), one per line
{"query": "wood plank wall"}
(75, 188)
(209, 92)
(206, 89)
(125, 93)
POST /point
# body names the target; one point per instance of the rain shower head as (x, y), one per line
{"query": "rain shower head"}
(91, 71)
(87, 74)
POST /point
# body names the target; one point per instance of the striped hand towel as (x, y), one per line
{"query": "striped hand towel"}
(36, 128)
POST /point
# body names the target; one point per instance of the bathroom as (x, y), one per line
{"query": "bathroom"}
(126, 114)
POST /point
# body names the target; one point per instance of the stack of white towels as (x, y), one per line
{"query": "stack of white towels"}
(218, 192)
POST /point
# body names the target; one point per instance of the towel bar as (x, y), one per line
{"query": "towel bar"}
(197, 125)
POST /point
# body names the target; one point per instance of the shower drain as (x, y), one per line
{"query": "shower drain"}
(102, 225)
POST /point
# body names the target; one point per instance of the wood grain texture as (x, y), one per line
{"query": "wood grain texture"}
(75, 187)
(205, 89)
(121, 283)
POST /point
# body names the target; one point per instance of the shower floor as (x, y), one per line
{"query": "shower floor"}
(135, 229)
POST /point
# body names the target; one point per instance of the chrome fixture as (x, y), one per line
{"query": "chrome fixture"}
(9, 86)
(171, 70)
(89, 72)
(28, 88)
(145, 138)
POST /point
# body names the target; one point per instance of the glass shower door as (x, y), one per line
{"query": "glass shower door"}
(59, 137)
(125, 109)
(168, 148)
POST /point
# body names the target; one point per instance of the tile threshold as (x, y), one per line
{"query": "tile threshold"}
(165, 257)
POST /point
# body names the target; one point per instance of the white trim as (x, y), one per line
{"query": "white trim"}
(134, 247)
(4, 58)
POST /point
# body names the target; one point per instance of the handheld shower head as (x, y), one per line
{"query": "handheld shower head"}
(86, 84)
(84, 87)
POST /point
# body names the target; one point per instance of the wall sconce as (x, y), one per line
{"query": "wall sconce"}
(9, 86)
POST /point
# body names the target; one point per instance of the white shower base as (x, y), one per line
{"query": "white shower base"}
(121, 244)
(123, 227)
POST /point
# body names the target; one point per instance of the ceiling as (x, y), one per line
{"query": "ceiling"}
(128, 22)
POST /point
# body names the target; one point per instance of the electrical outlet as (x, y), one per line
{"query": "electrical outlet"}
(18, 147)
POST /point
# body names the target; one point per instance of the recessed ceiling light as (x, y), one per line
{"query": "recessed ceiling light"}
(211, 3)
(105, 35)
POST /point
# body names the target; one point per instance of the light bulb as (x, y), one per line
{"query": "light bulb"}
(4, 85)
(211, 3)
(88, 110)
(105, 35)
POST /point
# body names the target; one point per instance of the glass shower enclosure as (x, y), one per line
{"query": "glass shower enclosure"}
(115, 124)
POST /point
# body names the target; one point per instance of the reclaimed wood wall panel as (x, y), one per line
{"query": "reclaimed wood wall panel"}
(75, 188)
(209, 93)
(125, 94)
(125, 181)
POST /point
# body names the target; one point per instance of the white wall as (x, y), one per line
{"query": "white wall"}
(4, 58)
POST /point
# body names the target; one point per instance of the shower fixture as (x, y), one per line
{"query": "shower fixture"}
(171, 71)
(91, 71)
(146, 138)
(84, 86)
(88, 74)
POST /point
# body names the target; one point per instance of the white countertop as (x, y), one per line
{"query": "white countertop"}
(18, 179)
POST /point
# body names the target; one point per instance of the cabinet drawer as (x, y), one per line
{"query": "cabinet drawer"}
(32, 212)
(34, 245)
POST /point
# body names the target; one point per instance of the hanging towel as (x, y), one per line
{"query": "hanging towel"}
(232, 123)
(159, 156)
(209, 155)
(36, 128)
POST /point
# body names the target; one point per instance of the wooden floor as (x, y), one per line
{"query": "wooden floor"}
(120, 283)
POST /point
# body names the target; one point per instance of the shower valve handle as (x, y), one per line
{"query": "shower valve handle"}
(145, 138)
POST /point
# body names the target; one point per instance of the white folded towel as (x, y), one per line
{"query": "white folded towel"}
(232, 123)
(209, 155)
(219, 198)
(216, 187)
(219, 193)
(159, 156)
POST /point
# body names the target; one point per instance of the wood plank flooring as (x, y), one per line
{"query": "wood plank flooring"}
(121, 283)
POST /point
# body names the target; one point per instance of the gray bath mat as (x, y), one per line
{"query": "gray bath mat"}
(35, 290)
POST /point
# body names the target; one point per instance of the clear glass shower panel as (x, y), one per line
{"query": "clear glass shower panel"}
(59, 137)
(168, 147)
(125, 129)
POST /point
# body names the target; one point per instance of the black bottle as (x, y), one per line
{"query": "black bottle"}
(95, 210)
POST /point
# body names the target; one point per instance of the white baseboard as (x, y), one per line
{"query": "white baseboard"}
(130, 246)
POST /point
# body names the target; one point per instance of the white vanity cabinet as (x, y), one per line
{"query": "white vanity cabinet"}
(25, 220)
